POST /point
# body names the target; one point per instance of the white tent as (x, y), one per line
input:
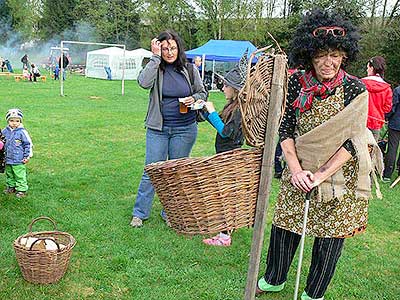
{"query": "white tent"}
(112, 57)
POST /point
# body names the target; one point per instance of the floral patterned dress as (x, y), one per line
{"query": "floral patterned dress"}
(336, 217)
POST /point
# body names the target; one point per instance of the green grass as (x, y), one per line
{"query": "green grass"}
(88, 160)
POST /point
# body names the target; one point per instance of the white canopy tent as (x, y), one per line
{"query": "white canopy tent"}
(113, 57)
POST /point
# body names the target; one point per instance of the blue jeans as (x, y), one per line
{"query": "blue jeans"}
(170, 143)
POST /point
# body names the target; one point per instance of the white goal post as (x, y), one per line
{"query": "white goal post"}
(89, 43)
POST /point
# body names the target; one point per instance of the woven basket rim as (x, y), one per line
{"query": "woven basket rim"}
(68, 247)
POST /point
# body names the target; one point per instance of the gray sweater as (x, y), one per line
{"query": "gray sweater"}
(151, 77)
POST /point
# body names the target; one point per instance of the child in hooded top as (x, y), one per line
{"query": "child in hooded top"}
(18, 150)
(229, 127)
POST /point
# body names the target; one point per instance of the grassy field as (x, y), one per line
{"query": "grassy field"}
(88, 158)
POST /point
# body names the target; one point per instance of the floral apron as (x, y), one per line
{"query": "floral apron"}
(336, 217)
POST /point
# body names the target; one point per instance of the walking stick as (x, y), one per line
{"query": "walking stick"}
(303, 237)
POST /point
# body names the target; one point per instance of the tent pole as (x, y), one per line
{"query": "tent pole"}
(123, 73)
(203, 63)
(212, 76)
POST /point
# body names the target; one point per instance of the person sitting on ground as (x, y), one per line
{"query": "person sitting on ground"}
(379, 94)
(229, 126)
(35, 73)
(26, 74)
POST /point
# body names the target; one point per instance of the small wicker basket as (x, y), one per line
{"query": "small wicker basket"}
(44, 266)
(206, 195)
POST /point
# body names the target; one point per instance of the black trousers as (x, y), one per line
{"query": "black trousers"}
(391, 154)
(325, 255)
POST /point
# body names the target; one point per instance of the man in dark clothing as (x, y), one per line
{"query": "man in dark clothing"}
(65, 64)
(24, 61)
(394, 137)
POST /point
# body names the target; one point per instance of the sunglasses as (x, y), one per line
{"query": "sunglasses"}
(324, 30)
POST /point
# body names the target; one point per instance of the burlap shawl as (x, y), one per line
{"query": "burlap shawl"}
(317, 146)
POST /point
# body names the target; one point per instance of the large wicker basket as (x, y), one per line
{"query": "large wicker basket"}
(209, 194)
(255, 97)
(44, 266)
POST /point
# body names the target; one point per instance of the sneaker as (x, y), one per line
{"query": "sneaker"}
(218, 240)
(20, 194)
(386, 180)
(9, 190)
(304, 296)
(264, 287)
(136, 222)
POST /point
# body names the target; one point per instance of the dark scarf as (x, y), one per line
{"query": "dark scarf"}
(311, 87)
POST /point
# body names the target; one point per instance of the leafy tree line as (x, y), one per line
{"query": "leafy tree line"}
(136, 22)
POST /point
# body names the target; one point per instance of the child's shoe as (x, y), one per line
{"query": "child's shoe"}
(20, 194)
(304, 296)
(9, 190)
(220, 239)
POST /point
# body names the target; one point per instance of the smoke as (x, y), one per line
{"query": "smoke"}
(13, 47)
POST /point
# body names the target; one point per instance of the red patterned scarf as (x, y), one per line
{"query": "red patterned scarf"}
(311, 87)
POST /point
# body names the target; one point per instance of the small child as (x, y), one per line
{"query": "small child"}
(57, 73)
(18, 149)
(26, 74)
(228, 125)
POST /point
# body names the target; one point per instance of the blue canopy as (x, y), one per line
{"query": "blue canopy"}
(222, 50)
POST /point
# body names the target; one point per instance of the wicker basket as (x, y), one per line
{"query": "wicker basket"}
(44, 266)
(254, 98)
(209, 194)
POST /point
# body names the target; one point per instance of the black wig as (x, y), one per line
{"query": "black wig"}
(304, 45)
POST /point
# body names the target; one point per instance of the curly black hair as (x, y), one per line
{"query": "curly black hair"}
(304, 45)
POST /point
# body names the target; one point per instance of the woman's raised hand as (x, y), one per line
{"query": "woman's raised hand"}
(156, 47)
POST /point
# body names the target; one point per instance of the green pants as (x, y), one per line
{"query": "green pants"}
(16, 177)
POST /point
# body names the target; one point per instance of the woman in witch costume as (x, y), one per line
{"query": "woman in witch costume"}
(325, 143)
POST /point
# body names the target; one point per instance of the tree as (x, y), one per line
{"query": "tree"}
(58, 16)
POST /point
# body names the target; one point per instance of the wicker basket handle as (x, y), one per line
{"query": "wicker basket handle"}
(44, 239)
(42, 218)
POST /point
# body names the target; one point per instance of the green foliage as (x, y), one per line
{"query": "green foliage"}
(58, 16)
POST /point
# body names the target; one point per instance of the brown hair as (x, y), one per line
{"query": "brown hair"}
(378, 63)
(230, 107)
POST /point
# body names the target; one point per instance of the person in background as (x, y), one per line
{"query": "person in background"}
(229, 126)
(35, 73)
(278, 163)
(25, 61)
(26, 74)
(325, 142)
(2, 64)
(56, 72)
(379, 95)
(2, 152)
(18, 150)
(171, 127)
(65, 63)
(394, 137)
(197, 63)
(9, 67)
(108, 72)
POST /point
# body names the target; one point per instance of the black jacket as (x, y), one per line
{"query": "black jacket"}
(394, 115)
